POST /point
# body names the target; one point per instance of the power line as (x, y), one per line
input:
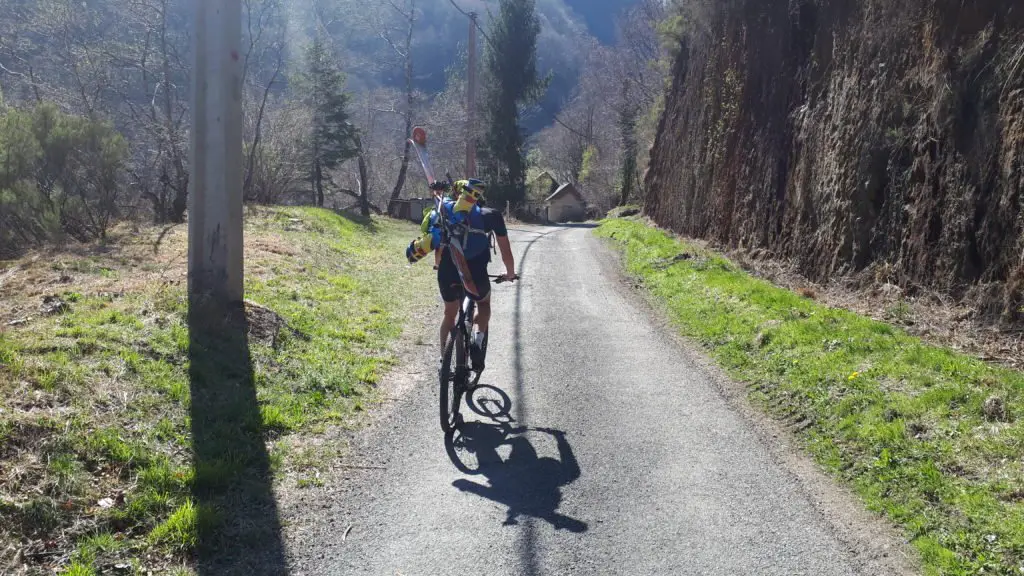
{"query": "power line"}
(472, 16)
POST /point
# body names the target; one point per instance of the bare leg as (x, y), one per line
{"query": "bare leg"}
(451, 313)
(483, 314)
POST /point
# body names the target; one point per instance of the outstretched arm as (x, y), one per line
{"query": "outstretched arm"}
(494, 222)
(570, 466)
(507, 257)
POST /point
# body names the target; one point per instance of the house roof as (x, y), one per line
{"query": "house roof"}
(544, 174)
(564, 189)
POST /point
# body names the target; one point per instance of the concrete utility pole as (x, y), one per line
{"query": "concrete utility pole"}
(215, 185)
(471, 101)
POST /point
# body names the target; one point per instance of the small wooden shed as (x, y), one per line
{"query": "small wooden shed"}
(409, 209)
(566, 205)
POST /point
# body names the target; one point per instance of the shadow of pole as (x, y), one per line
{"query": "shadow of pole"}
(529, 548)
(517, 329)
(529, 486)
(529, 545)
(237, 524)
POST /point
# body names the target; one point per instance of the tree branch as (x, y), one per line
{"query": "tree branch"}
(12, 72)
(407, 16)
(569, 128)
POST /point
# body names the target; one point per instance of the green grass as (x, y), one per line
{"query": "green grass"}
(67, 473)
(78, 568)
(901, 421)
(91, 548)
(621, 211)
(95, 403)
(180, 532)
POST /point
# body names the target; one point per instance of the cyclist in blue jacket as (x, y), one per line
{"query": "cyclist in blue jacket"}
(463, 271)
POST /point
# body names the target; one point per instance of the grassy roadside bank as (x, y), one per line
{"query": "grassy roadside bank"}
(928, 437)
(96, 415)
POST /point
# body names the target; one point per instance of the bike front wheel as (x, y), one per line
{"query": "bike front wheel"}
(483, 351)
(449, 386)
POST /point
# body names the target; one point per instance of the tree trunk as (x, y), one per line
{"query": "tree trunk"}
(627, 131)
(318, 183)
(400, 183)
(258, 136)
(628, 175)
(180, 204)
(364, 192)
(409, 101)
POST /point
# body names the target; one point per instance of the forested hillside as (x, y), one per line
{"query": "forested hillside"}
(865, 137)
(599, 139)
(94, 102)
(601, 15)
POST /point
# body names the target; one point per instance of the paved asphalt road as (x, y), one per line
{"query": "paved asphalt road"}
(622, 458)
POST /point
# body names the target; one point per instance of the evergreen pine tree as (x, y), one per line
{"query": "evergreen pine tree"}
(334, 138)
(512, 82)
(627, 132)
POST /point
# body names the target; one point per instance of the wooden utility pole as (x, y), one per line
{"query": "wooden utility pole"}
(215, 185)
(471, 101)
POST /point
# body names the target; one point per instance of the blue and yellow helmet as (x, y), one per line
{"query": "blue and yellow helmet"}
(477, 187)
(469, 193)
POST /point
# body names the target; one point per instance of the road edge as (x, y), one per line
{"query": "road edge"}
(874, 545)
(308, 512)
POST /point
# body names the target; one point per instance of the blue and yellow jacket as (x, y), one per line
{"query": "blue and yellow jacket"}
(473, 239)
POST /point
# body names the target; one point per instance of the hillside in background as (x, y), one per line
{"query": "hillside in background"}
(873, 138)
(600, 16)
(567, 28)
(330, 92)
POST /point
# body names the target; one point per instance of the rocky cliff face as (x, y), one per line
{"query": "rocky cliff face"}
(878, 137)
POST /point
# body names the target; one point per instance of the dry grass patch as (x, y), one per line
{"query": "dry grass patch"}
(96, 469)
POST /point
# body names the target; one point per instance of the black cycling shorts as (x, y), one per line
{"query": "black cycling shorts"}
(450, 283)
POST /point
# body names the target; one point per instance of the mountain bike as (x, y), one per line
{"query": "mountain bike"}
(459, 378)
(456, 378)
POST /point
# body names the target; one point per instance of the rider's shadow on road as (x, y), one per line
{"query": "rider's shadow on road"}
(528, 484)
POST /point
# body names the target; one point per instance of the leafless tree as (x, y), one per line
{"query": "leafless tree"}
(262, 71)
(404, 51)
(596, 139)
(152, 97)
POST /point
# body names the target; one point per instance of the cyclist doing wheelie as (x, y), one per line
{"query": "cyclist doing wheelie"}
(462, 271)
